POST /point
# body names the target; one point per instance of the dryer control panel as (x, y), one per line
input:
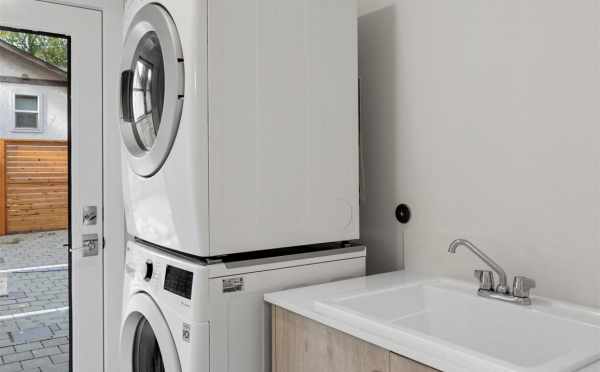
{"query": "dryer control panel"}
(179, 281)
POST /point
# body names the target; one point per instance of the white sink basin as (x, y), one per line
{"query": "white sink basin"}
(448, 317)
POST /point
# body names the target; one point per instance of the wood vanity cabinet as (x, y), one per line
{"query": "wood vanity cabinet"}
(303, 345)
(399, 363)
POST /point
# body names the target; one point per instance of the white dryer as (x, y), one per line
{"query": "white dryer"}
(240, 123)
(188, 315)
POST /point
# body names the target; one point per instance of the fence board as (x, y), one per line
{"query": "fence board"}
(33, 185)
(3, 188)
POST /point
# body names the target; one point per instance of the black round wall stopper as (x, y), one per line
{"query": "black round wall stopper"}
(403, 213)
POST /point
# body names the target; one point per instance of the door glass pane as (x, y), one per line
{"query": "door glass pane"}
(146, 352)
(27, 103)
(148, 90)
(26, 120)
(34, 259)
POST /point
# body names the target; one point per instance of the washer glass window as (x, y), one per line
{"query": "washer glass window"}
(148, 93)
(146, 352)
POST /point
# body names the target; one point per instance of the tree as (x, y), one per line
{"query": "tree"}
(50, 49)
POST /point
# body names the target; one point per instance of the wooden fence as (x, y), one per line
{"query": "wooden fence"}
(33, 186)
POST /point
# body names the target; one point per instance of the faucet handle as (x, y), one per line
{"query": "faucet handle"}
(486, 279)
(522, 285)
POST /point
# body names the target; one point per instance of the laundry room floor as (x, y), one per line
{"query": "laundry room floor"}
(34, 316)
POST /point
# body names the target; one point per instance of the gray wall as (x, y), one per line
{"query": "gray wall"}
(54, 114)
(13, 65)
(484, 117)
(54, 99)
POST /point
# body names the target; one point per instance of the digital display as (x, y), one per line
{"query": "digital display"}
(179, 282)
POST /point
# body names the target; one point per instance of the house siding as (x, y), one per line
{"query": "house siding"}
(54, 113)
(12, 64)
(54, 99)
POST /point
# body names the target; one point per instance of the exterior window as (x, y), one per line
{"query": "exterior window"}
(27, 113)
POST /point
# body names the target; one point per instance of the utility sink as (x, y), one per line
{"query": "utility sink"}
(447, 317)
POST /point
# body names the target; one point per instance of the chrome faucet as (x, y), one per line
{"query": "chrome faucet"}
(502, 285)
(521, 284)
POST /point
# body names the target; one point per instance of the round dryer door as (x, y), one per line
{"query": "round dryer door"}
(152, 88)
(147, 344)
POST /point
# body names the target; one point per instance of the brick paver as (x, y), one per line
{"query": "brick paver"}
(34, 291)
(50, 353)
(30, 341)
(34, 249)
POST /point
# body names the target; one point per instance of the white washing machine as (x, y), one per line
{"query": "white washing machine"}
(191, 315)
(240, 123)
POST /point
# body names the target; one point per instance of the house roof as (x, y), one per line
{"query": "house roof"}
(60, 74)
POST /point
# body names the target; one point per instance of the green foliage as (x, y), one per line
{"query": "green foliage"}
(49, 49)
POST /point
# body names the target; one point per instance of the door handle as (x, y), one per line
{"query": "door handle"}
(127, 77)
(89, 246)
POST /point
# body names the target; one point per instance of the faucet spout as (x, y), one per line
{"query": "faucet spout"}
(502, 281)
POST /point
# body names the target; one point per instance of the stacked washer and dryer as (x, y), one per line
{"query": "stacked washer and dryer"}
(240, 172)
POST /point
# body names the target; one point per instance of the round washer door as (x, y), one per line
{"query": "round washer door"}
(152, 89)
(147, 344)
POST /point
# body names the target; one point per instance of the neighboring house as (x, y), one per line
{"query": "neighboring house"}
(33, 97)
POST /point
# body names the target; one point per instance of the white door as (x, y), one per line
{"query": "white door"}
(83, 28)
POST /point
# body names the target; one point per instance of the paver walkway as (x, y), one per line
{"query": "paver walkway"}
(34, 249)
(34, 317)
(34, 291)
(37, 343)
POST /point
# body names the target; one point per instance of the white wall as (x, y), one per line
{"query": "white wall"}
(485, 118)
(54, 111)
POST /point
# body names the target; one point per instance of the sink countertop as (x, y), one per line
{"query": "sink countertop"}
(302, 301)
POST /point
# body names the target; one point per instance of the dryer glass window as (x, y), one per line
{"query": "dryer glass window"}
(146, 352)
(147, 95)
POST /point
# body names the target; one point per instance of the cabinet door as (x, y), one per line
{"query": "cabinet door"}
(401, 364)
(303, 345)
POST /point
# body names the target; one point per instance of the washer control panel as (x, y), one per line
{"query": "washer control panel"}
(179, 281)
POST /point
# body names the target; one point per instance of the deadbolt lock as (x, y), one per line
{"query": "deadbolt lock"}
(90, 215)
